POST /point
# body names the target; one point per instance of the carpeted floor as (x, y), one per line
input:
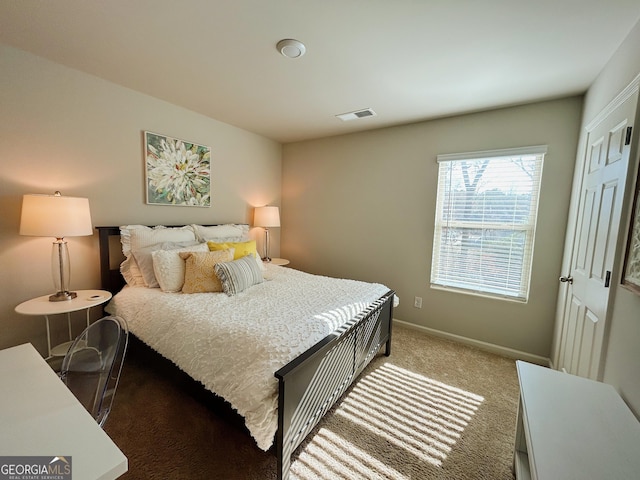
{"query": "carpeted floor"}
(434, 409)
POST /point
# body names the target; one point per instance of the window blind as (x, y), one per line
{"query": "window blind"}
(485, 224)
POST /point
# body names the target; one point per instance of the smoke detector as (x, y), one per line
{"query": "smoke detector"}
(291, 48)
(366, 112)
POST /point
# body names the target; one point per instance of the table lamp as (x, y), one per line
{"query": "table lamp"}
(56, 216)
(266, 217)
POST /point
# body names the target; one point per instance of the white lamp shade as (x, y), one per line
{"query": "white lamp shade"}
(266, 217)
(55, 216)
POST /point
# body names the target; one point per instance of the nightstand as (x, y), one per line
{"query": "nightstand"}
(279, 261)
(85, 300)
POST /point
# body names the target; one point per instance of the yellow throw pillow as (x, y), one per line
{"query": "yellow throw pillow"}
(242, 249)
(199, 275)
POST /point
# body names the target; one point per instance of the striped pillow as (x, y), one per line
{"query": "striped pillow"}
(238, 275)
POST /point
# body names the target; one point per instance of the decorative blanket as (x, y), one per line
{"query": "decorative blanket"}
(234, 345)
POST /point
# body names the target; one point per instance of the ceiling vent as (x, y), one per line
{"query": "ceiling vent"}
(367, 112)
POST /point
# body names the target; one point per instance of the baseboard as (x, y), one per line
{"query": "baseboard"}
(489, 347)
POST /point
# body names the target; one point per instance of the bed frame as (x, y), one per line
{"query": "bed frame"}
(313, 382)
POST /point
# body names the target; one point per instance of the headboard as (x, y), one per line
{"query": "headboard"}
(111, 257)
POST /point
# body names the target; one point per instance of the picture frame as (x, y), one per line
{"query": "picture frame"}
(177, 172)
(631, 265)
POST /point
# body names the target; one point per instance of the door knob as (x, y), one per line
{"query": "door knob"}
(567, 279)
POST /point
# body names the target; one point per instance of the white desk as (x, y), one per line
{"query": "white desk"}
(572, 428)
(39, 416)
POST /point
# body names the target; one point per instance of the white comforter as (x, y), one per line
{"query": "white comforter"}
(233, 345)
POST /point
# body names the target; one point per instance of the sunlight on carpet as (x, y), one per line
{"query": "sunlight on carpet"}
(394, 406)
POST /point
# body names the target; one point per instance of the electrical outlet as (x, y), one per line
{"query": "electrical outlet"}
(417, 302)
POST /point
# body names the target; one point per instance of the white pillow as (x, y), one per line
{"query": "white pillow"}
(144, 260)
(169, 268)
(222, 233)
(136, 237)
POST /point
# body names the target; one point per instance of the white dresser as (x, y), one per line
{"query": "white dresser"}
(570, 427)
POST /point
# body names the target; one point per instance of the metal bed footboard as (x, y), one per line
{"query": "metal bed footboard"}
(312, 383)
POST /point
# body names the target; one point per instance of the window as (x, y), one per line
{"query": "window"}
(486, 220)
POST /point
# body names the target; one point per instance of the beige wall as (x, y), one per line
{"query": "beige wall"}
(622, 367)
(363, 206)
(64, 130)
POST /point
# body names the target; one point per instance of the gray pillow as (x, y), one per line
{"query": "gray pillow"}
(238, 275)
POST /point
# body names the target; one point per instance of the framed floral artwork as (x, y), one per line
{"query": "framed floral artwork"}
(631, 266)
(177, 172)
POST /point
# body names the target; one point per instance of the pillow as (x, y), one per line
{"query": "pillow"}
(145, 261)
(238, 275)
(131, 273)
(222, 233)
(169, 267)
(199, 276)
(136, 237)
(245, 248)
(241, 248)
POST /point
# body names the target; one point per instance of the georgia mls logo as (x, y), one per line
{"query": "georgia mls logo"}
(35, 468)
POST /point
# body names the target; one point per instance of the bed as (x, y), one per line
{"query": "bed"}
(282, 389)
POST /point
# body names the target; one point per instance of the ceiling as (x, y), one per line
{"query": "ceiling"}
(408, 60)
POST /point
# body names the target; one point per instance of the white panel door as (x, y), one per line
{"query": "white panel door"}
(586, 291)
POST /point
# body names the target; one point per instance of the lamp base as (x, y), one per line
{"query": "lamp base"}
(62, 296)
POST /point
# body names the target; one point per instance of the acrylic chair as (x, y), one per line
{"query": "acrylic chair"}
(92, 366)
